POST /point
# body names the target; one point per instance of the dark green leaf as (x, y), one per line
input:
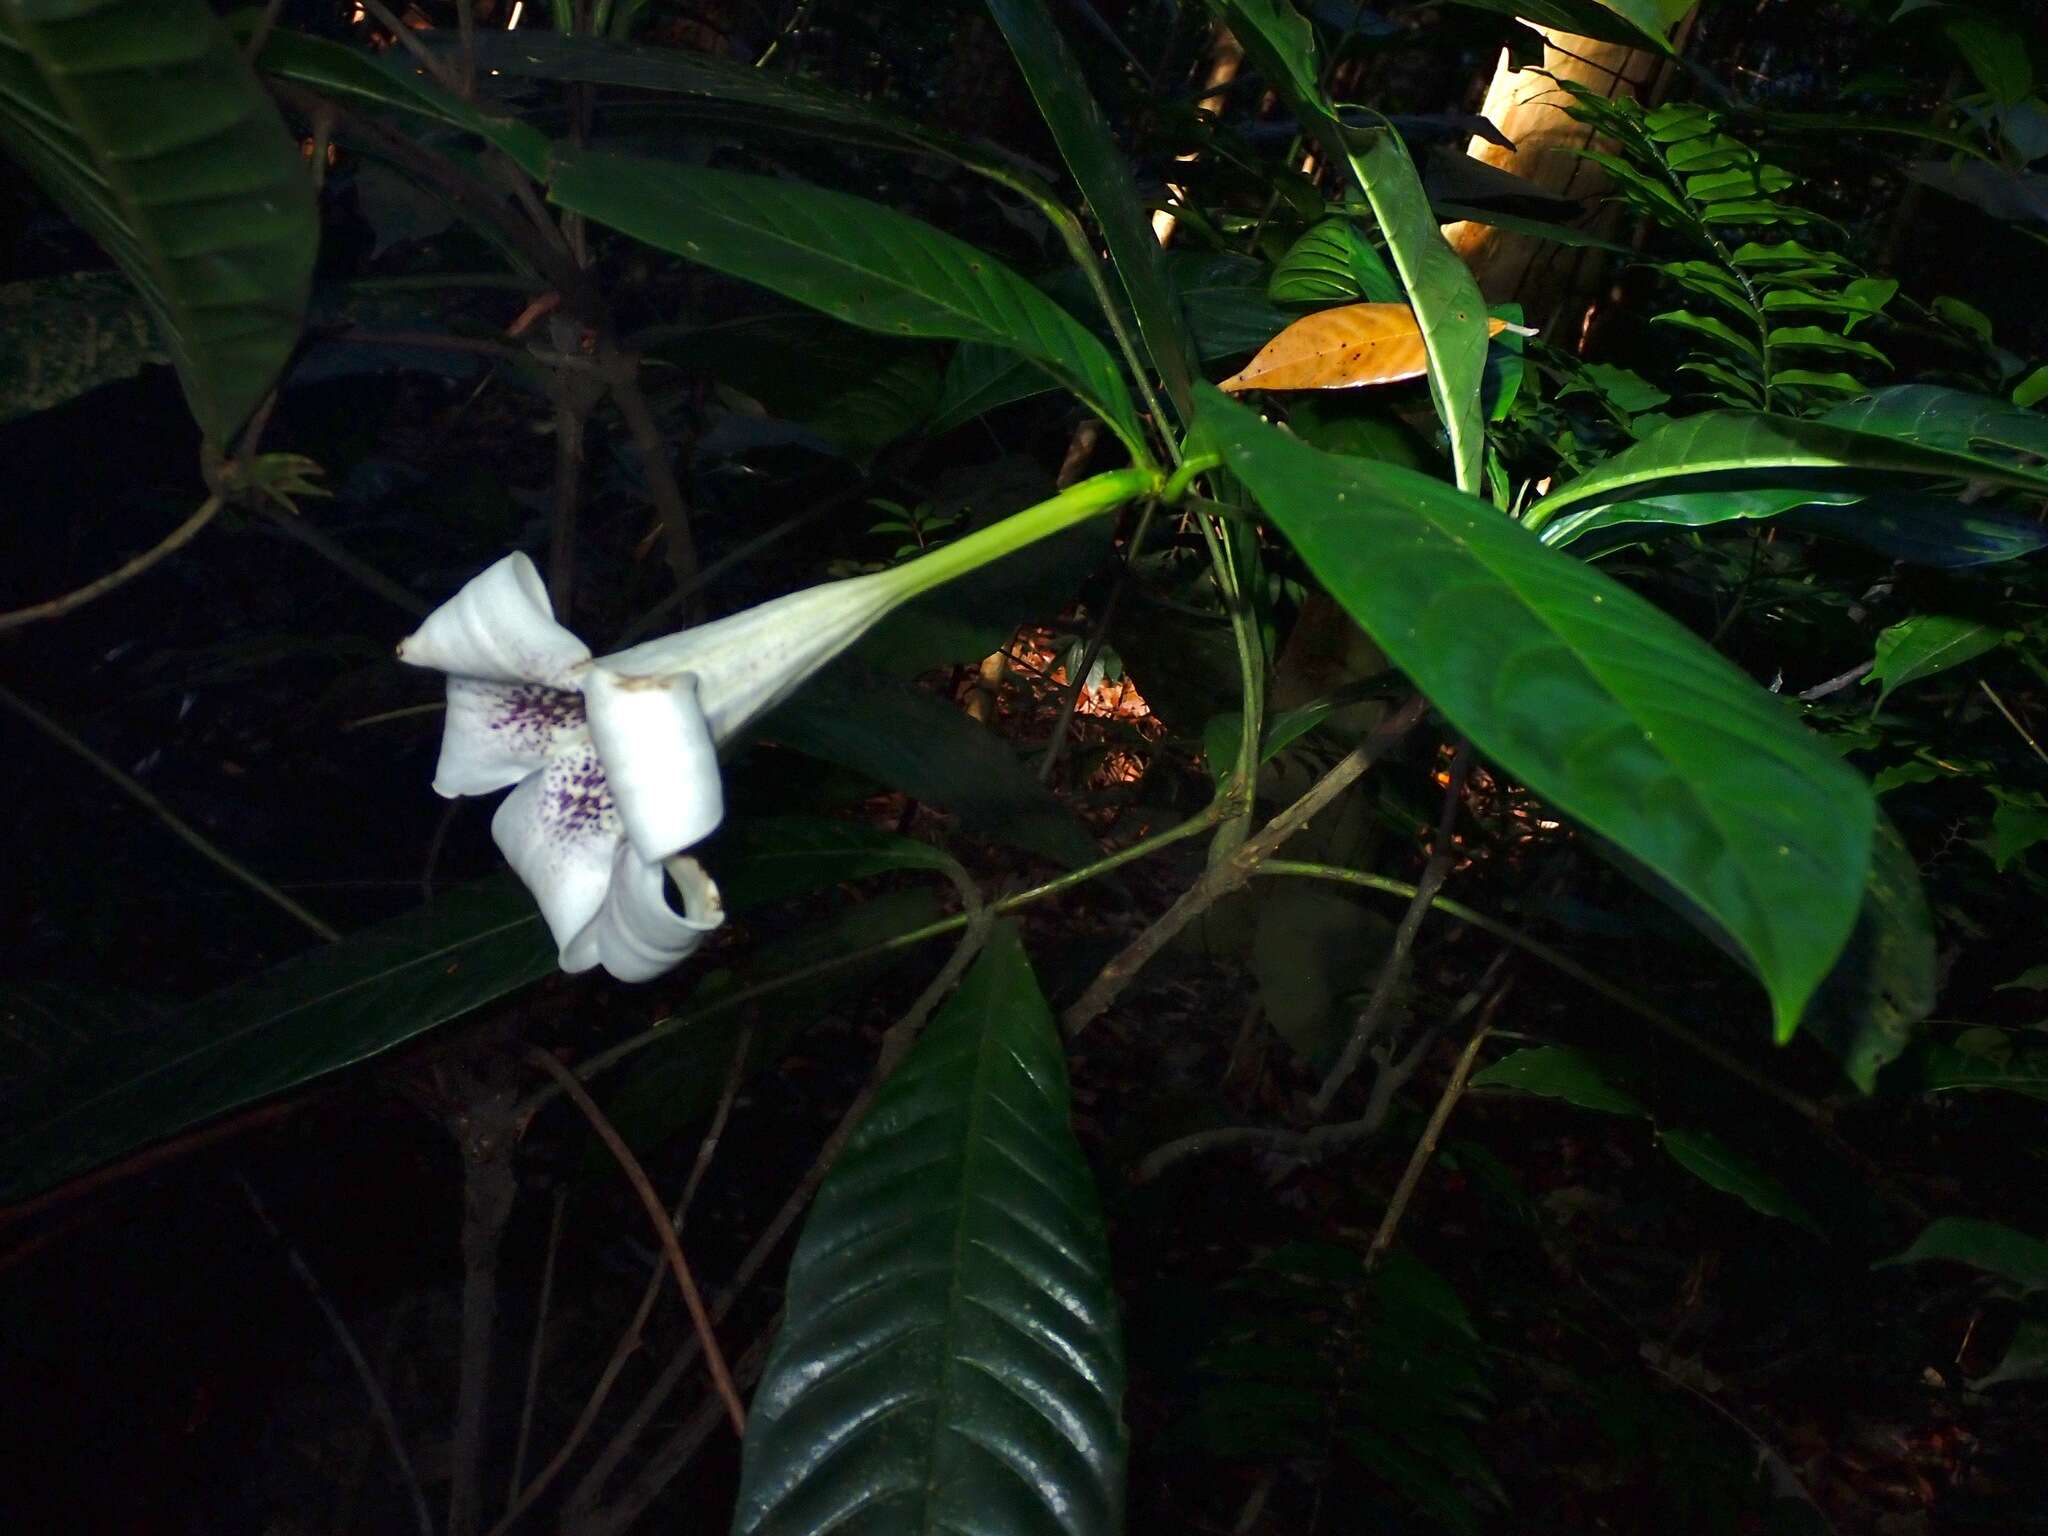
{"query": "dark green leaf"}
(1609, 709)
(950, 1356)
(326, 1009)
(1559, 1072)
(1946, 1069)
(1712, 1161)
(1934, 531)
(933, 753)
(1885, 983)
(1980, 427)
(852, 259)
(1926, 644)
(351, 74)
(1987, 1245)
(1070, 111)
(142, 120)
(1226, 302)
(769, 858)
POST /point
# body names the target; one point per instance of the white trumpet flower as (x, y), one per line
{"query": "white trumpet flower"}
(613, 760)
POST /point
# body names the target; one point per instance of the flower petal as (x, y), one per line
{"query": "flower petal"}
(638, 935)
(561, 835)
(500, 628)
(747, 663)
(498, 733)
(658, 757)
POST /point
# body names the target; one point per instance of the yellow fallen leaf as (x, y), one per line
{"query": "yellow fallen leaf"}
(1345, 348)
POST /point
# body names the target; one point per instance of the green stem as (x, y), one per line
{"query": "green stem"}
(589, 1068)
(1655, 1017)
(1076, 504)
(1068, 227)
(163, 813)
(1190, 470)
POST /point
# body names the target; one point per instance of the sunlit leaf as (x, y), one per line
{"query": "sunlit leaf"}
(1584, 691)
(1344, 348)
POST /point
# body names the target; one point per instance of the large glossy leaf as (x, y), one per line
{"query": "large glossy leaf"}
(1333, 264)
(1951, 420)
(950, 1357)
(1736, 449)
(142, 120)
(1611, 710)
(1077, 125)
(855, 260)
(1439, 286)
(326, 1009)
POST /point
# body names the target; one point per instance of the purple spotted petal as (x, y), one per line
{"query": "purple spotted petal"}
(498, 733)
(560, 833)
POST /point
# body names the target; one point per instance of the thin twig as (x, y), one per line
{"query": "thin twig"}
(591, 1066)
(644, 1188)
(367, 576)
(1442, 854)
(485, 1128)
(172, 542)
(465, 26)
(260, 33)
(1222, 878)
(1425, 1146)
(1837, 683)
(426, 56)
(664, 1463)
(2013, 720)
(574, 398)
(380, 1404)
(178, 828)
(629, 1340)
(622, 372)
(1320, 1141)
(533, 1355)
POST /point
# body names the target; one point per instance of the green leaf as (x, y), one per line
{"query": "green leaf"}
(1439, 286)
(855, 260)
(1333, 264)
(141, 119)
(1535, 229)
(1575, 685)
(930, 751)
(1987, 1245)
(1885, 983)
(950, 1356)
(1694, 453)
(1638, 23)
(2031, 390)
(1944, 1069)
(769, 858)
(1224, 297)
(62, 337)
(1070, 111)
(2025, 1358)
(1926, 644)
(1716, 330)
(2033, 979)
(2014, 830)
(1981, 428)
(1997, 56)
(1935, 531)
(1712, 1161)
(351, 74)
(1814, 338)
(1559, 1072)
(1692, 509)
(316, 1013)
